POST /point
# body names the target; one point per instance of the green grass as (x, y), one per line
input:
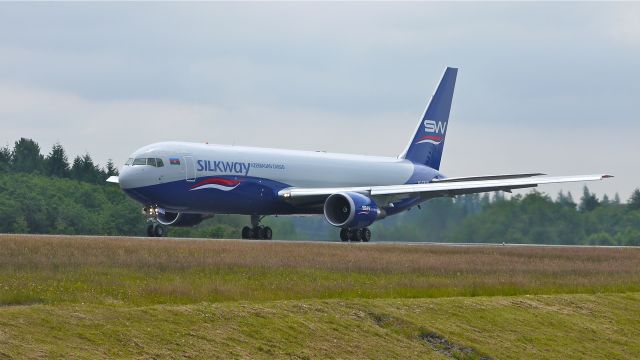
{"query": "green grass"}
(562, 326)
(90, 297)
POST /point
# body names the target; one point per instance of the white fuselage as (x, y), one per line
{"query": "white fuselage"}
(268, 170)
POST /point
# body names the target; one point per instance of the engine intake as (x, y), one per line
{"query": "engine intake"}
(350, 210)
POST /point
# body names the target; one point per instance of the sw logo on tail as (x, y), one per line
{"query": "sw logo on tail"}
(433, 127)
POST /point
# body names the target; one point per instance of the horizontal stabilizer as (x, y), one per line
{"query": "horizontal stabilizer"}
(113, 179)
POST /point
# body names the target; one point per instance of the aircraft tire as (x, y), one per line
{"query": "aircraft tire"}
(159, 231)
(262, 233)
(150, 232)
(365, 234)
(344, 234)
(256, 233)
(246, 232)
(267, 233)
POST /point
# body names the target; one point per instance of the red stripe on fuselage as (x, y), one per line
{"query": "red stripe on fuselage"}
(217, 181)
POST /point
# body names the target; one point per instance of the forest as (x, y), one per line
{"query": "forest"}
(48, 194)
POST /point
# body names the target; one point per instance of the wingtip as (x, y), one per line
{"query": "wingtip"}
(606, 176)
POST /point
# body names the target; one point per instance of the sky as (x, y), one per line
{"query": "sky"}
(542, 87)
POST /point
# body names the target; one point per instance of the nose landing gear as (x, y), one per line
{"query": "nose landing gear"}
(155, 229)
(355, 235)
(257, 231)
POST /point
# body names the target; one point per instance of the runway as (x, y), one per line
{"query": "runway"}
(330, 242)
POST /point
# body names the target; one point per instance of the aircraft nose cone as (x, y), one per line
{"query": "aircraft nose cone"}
(125, 178)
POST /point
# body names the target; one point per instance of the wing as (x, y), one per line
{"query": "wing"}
(444, 187)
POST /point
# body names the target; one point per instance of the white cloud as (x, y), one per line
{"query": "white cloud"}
(624, 24)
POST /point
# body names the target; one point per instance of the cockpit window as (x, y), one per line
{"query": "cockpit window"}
(156, 162)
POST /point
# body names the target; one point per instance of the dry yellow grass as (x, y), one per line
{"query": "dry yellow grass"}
(36, 269)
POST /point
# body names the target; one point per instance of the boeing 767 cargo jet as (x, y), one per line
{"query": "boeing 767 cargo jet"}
(180, 184)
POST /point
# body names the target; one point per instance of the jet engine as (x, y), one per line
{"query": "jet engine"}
(351, 210)
(178, 219)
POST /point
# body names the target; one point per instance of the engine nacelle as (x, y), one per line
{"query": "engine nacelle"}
(351, 210)
(178, 219)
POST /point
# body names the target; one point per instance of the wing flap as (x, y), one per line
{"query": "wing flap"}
(487, 177)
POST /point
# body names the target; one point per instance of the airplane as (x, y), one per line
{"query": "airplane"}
(181, 183)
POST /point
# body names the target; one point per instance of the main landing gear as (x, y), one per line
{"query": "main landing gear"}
(355, 235)
(257, 231)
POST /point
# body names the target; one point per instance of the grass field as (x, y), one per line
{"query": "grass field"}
(85, 297)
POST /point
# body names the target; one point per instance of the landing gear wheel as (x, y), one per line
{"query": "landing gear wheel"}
(246, 232)
(354, 235)
(150, 230)
(257, 231)
(344, 234)
(159, 231)
(365, 234)
(267, 233)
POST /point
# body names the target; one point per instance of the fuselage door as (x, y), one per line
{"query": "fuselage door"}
(190, 166)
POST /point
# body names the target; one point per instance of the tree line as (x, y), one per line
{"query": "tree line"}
(532, 218)
(59, 197)
(26, 157)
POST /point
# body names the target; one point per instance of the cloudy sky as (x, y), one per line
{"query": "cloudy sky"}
(543, 87)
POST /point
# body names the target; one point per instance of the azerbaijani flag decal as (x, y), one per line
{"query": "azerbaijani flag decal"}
(216, 183)
(174, 161)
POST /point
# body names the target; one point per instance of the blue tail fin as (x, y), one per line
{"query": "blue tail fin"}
(428, 142)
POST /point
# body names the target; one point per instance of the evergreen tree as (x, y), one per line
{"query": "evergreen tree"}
(56, 163)
(605, 200)
(76, 169)
(83, 169)
(5, 159)
(616, 199)
(485, 200)
(498, 196)
(634, 200)
(111, 169)
(588, 201)
(26, 156)
(566, 200)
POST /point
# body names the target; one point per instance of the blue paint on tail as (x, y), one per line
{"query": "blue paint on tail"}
(428, 142)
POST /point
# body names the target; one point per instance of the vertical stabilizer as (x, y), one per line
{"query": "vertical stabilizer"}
(427, 144)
